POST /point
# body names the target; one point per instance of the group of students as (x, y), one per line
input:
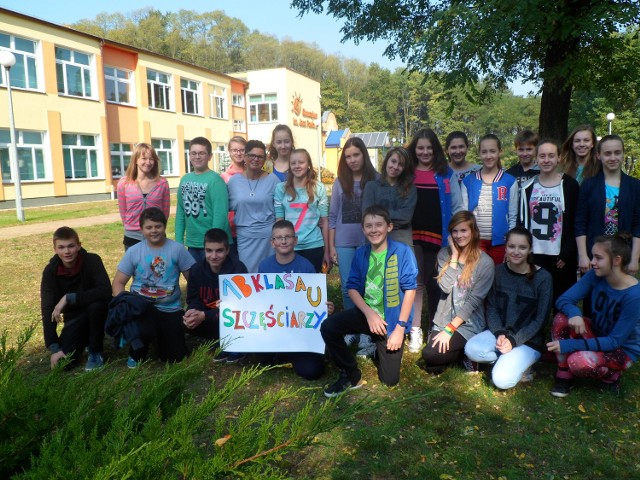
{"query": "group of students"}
(495, 250)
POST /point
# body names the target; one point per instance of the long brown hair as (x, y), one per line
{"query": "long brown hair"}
(132, 169)
(520, 230)
(345, 175)
(312, 179)
(405, 180)
(273, 152)
(568, 160)
(472, 250)
(439, 162)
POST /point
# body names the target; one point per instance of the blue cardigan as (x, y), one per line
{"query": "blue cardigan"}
(400, 272)
(591, 206)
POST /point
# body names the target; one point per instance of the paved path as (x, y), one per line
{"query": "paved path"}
(37, 228)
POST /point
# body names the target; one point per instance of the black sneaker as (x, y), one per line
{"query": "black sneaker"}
(345, 382)
(561, 387)
(228, 357)
(470, 366)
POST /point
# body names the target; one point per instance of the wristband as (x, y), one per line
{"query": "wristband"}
(448, 331)
(451, 327)
(402, 324)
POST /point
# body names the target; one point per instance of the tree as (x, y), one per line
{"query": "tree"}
(559, 44)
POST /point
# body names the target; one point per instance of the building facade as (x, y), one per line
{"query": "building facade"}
(81, 103)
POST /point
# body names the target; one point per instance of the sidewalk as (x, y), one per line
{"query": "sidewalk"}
(45, 227)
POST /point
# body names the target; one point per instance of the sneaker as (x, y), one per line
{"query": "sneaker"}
(416, 339)
(344, 383)
(366, 347)
(351, 339)
(528, 375)
(228, 357)
(131, 363)
(470, 366)
(94, 362)
(561, 387)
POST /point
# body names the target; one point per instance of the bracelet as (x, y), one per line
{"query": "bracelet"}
(451, 327)
(448, 331)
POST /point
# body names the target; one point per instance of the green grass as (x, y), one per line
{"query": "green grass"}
(58, 212)
(451, 426)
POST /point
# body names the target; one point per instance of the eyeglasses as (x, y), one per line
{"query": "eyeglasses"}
(236, 151)
(253, 156)
(198, 154)
(284, 238)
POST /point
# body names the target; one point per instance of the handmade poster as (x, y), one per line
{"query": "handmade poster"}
(272, 312)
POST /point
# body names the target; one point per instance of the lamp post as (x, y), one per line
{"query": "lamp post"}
(610, 118)
(8, 60)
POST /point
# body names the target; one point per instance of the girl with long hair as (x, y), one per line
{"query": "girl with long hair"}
(517, 308)
(395, 191)
(578, 155)
(465, 275)
(141, 187)
(607, 344)
(280, 149)
(302, 200)
(456, 145)
(438, 192)
(492, 195)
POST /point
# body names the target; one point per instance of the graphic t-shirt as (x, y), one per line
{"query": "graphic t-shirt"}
(546, 212)
(156, 272)
(611, 210)
(373, 292)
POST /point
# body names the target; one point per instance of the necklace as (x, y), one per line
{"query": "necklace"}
(252, 190)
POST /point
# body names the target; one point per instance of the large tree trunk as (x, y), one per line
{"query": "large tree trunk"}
(554, 110)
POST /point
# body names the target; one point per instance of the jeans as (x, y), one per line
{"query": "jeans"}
(196, 253)
(345, 257)
(508, 367)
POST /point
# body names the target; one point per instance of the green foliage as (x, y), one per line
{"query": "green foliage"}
(150, 422)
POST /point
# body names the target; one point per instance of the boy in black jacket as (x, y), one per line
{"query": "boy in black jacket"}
(203, 293)
(75, 291)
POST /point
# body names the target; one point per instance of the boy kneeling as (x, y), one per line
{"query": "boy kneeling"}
(384, 309)
(155, 265)
(74, 291)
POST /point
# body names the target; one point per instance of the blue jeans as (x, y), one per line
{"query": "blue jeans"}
(509, 367)
(345, 257)
(196, 253)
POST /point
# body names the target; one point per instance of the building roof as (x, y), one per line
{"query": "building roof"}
(333, 139)
(374, 139)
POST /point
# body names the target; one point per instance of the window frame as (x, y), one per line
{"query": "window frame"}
(22, 65)
(21, 146)
(79, 147)
(162, 150)
(129, 82)
(123, 156)
(237, 100)
(262, 100)
(241, 126)
(167, 89)
(84, 68)
(218, 101)
(195, 92)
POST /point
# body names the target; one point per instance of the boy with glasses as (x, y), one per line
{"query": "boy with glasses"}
(203, 200)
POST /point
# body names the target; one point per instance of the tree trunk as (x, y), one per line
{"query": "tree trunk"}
(554, 110)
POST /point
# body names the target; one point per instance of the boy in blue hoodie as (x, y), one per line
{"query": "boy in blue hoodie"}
(382, 285)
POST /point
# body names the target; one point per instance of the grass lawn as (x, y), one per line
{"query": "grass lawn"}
(58, 212)
(451, 426)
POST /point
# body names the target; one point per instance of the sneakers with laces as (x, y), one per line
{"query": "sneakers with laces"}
(416, 338)
(561, 387)
(470, 366)
(366, 347)
(351, 339)
(528, 375)
(344, 382)
(95, 361)
(131, 363)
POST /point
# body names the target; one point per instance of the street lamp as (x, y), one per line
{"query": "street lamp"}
(8, 60)
(610, 118)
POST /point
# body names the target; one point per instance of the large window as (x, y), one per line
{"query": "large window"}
(30, 155)
(187, 163)
(239, 126)
(190, 94)
(159, 90)
(219, 102)
(80, 156)
(119, 85)
(164, 149)
(120, 158)
(237, 100)
(73, 69)
(263, 108)
(24, 74)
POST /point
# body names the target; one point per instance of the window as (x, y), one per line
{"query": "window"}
(120, 158)
(190, 93)
(263, 108)
(187, 164)
(80, 156)
(73, 69)
(239, 126)
(220, 156)
(219, 102)
(30, 147)
(119, 85)
(164, 149)
(159, 90)
(24, 74)
(237, 100)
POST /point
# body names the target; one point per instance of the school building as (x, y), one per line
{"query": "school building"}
(281, 95)
(82, 102)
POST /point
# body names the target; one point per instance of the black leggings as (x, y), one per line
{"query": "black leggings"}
(436, 361)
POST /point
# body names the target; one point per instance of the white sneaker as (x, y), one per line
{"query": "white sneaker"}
(415, 340)
(366, 347)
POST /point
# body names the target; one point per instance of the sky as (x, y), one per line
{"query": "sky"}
(274, 17)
